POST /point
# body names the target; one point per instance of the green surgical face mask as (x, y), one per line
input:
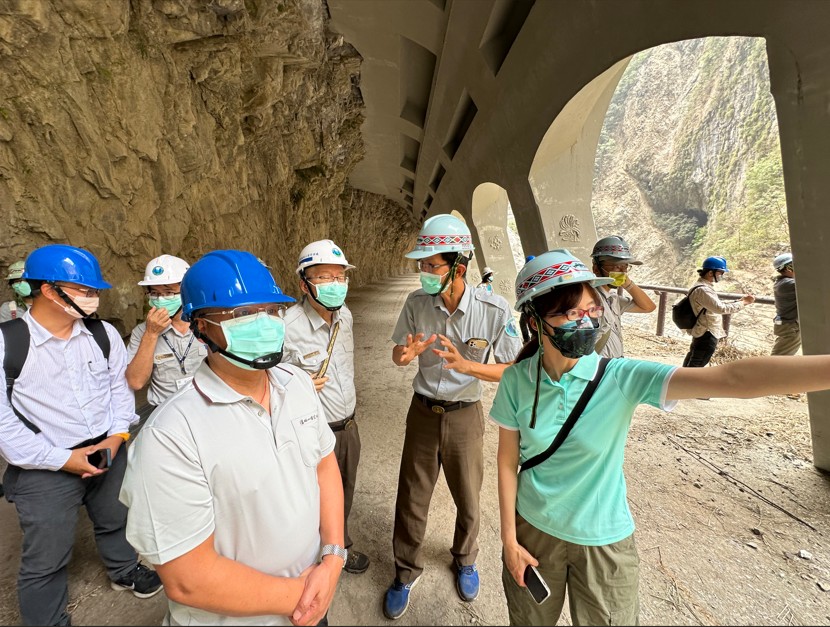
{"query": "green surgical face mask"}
(332, 294)
(171, 303)
(254, 337)
(22, 289)
(432, 283)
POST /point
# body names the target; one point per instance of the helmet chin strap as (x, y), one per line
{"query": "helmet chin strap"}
(311, 293)
(65, 297)
(266, 361)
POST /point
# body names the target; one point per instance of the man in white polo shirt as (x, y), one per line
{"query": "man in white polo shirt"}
(232, 485)
(319, 339)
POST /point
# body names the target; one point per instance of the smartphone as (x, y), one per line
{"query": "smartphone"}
(102, 458)
(536, 586)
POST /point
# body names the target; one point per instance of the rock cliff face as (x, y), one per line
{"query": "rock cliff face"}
(135, 128)
(689, 162)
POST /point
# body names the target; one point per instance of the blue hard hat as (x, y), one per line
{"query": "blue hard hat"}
(714, 263)
(58, 262)
(227, 279)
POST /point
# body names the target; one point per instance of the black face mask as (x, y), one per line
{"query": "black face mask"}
(575, 339)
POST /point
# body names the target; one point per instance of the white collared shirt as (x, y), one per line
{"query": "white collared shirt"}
(167, 375)
(482, 323)
(307, 337)
(69, 391)
(212, 461)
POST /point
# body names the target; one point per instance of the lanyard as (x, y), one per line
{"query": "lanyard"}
(176, 355)
(329, 350)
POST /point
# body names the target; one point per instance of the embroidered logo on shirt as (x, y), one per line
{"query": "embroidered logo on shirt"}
(511, 329)
(307, 419)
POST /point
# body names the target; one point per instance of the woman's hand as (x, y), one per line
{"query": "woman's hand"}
(517, 558)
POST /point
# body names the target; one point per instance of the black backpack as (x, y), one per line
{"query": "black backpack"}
(16, 338)
(682, 313)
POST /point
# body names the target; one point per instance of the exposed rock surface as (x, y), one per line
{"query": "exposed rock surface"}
(151, 126)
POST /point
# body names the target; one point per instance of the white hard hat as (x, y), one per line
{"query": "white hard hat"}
(323, 251)
(486, 270)
(550, 270)
(165, 270)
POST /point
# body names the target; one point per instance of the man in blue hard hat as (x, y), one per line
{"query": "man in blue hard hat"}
(233, 488)
(63, 422)
(709, 308)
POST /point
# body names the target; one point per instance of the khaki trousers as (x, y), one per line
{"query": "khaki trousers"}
(453, 440)
(347, 452)
(602, 581)
(787, 338)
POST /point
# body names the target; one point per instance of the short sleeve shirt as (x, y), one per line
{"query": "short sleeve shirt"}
(169, 374)
(482, 324)
(578, 494)
(307, 338)
(615, 306)
(211, 461)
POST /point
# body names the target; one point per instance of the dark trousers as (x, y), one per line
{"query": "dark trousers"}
(47, 505)
(347, 452)
(455, 441)
(701, 351)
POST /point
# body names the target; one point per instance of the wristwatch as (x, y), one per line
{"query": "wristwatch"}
(334, 549)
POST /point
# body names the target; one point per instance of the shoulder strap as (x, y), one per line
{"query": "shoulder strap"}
(99, 334)
(689, 296)
(576, 412)
(321, 373)
(16, 340)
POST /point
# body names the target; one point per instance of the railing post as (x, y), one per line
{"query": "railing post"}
(726, 319)
(661, 313)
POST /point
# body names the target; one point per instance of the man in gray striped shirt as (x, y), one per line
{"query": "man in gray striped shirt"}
(69, 406)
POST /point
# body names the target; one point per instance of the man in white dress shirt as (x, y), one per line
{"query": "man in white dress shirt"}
(69, 404)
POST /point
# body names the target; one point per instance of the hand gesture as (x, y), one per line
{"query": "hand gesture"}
(748, 299)
(78, 463)
(517, 558)
(451, 355)
(319, 383)
(320, 584)
(157, 320)
(415, 346)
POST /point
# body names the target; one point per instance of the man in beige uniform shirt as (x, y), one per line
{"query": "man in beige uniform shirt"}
(319, 339)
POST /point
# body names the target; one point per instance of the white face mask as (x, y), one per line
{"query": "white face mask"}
(89, 305)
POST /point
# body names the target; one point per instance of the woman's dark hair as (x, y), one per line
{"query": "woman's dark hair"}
(554, 301)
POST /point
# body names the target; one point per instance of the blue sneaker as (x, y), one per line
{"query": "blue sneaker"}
(467, 582)
(396, 601)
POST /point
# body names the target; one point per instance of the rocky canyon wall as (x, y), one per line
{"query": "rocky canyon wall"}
(135, 128)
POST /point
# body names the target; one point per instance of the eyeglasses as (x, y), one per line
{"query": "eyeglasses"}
(84, 291)
(250, 310)
(155, 294)
(429, 267)
(325, 278)
(619, 267)
(578, 314)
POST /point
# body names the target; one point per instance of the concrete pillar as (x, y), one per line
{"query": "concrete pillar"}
(801, 88)
(490, 218)
(562, 173)
(528, 218)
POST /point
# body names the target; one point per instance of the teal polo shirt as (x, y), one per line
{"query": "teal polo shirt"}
(579, 493)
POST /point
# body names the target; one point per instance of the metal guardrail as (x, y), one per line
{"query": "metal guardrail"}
(664, 290)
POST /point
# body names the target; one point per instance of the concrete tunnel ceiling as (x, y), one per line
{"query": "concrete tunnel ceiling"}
(461, 92)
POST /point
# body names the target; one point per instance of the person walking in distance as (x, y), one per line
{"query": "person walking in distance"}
(709, 308)
(786, 328)
(63, 422)
(319, 338)
(451, 329)
(22, 294)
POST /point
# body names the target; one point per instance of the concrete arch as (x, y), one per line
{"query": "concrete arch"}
(493, 249)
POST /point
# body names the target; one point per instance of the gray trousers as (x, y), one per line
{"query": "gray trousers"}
(787, 338)
(453, 441)
(47, 505)
(347, 452)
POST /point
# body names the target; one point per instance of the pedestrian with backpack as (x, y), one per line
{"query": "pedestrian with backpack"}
(564, 413)
(708, 309)
(63, 421)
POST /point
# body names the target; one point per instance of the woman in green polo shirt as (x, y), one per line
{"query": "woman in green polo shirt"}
(568, 515)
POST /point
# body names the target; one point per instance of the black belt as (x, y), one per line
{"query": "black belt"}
(342, 424)
(90, 442)
(442, 407)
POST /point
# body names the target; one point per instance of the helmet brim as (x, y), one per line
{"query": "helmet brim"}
(420, 254)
